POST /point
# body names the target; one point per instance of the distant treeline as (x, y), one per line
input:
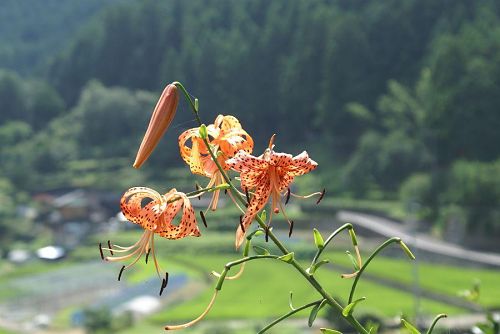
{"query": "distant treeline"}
(394, 98)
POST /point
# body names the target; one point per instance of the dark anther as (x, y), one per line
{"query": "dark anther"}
(166, 280)
(267, 233)
(121, 272)
(225, 191)
(164, 283)
(147, 256)
(247, 195)
(287, 196)
(202, 215)
(162, 286)
(291, 229)
(241, 224)
(198, 188)
(110, 248)
(321, 196)
(100, 250)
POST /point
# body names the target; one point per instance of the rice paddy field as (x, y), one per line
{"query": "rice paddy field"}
(262, 292)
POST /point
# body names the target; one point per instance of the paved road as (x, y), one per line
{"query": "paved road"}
(390, 228)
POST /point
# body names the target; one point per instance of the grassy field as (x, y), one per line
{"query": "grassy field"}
(262, 292)
(435, 277)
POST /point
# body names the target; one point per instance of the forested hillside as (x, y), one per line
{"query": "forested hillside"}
(32, 31)
(394, 99)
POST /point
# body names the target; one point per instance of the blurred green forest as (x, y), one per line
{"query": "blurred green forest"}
(396, 100)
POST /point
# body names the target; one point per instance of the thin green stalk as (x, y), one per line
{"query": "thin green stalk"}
(434, 322)
(327, 241)
(188, 97)
(292, 312)
(193, 193)
(229, 265)
(372, 256)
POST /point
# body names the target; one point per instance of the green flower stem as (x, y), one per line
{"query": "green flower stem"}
(327, 241)
(193, 193)
(271, 235)
(434, 322)
(372, 256)
(284, 250)
(188, 97)
(229, 265)
(292, 312)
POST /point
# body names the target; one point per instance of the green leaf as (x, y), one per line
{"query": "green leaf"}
(258, 232)
(410, 327)
(353, 237)
(312, 269)
(290, 303)
(314, 312)
(246, 250)
(263, 215)
(347, 311)
(255, 233)
(353, 260)
(407, 250)
(203, 131)
(329, 331)
(222, 186)
(196, 105)
(318, 239)
(287, 257)
(260, 250)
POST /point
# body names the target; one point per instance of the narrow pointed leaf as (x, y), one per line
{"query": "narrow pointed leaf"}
(290, 302)
(410, 327)
(329, 331)
(260, 250)
(350, 308)
(312, 269)
(287, 258)
(314, 312)
(246, 250)
(263, 215)
(318, 239)
(407, 250)
(353, 260)
(353, 237)
(203, 131)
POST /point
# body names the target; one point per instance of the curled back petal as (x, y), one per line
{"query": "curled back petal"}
(301, 164)
(187, 226)
(132, 209)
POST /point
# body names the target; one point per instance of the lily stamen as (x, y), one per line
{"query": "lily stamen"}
(201, 316)
(235, 276)
(318, 193)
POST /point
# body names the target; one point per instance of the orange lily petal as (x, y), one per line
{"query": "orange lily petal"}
(187, 226)
(256, 204)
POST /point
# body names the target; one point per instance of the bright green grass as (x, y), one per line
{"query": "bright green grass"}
(4, 331)
(262, 292)
(435, 277)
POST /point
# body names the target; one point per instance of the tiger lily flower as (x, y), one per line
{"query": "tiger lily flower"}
(226, 137)
(269, 175)
(156, 219)
(162, 116)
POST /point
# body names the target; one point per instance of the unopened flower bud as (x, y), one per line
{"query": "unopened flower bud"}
(163, 114)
